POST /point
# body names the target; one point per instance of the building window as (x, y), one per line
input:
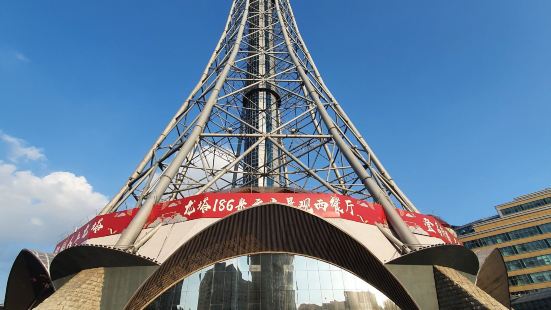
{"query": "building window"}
(524, 233)
(545, 228)
(537, 245)
(537, 261)
(537, 277)
(531, 246)
(522, 279)
(465, 230)
(529, 262)
(508, 251)
(512, 235)
(514, 265)
(527, 206)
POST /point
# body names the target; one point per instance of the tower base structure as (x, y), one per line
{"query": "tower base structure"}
(260, 249)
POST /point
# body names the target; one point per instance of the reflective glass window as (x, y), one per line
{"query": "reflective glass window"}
(544, 276)
(497, 239)
(520, 280)
(272, 281)
(470, 244)
(537, 261)
(525, 232)
(545, 228)
(465, 230)
(527, 206)
(526, 247)
(513, 235)
(507, 251)
(531, 246)
(529, 262)
(514, 265)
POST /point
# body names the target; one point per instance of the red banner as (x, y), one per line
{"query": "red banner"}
(220, 205)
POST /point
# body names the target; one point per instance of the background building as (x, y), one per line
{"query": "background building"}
(522, 232)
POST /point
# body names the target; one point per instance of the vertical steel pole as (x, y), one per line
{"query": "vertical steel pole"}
(114, 202)
(408, 205)
(395, 220)
(325, 147)
(129, 235)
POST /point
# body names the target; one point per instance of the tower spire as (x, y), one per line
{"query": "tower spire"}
(260, 117)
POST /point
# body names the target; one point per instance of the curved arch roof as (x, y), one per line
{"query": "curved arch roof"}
(271, 228)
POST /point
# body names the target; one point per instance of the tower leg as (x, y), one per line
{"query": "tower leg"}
(394, 218)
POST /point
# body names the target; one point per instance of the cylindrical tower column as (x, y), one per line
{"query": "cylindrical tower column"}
(261, 104)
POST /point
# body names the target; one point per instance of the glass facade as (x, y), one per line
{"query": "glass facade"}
(537, 277)
(464, 230)
(469, 228)
(527, 206)
(537, 245)
(512, 235)
(529, 262)
(272, 281)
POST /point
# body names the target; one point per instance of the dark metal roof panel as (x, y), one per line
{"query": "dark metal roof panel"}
(75, 259)
(271, 228)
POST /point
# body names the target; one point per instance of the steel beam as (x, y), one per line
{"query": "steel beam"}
(395, 220)
(390, 181)
(129, 235)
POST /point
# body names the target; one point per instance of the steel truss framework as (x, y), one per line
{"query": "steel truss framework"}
(260, 116)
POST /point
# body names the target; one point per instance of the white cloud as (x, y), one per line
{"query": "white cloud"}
(21, 57)
(18, 149)
(40, 209)
(213, 164)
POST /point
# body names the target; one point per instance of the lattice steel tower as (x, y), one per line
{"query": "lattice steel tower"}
(259, 193)
(260, 117)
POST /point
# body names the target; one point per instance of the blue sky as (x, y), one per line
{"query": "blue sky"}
(454, 96)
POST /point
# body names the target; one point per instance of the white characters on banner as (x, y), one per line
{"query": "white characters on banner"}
(70, 243)
(335, 203)
(305, 205)
(229, 204)
(349, 206)
(428, 225)
(290, 202)
(189, 209)
(85, 231)
(204, 206)
(97, 226)
(321, 204)
(257, 202)
(442, 231)
(241, 205)
(223, 205)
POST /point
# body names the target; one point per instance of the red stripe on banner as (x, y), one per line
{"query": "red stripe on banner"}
(220, 205)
